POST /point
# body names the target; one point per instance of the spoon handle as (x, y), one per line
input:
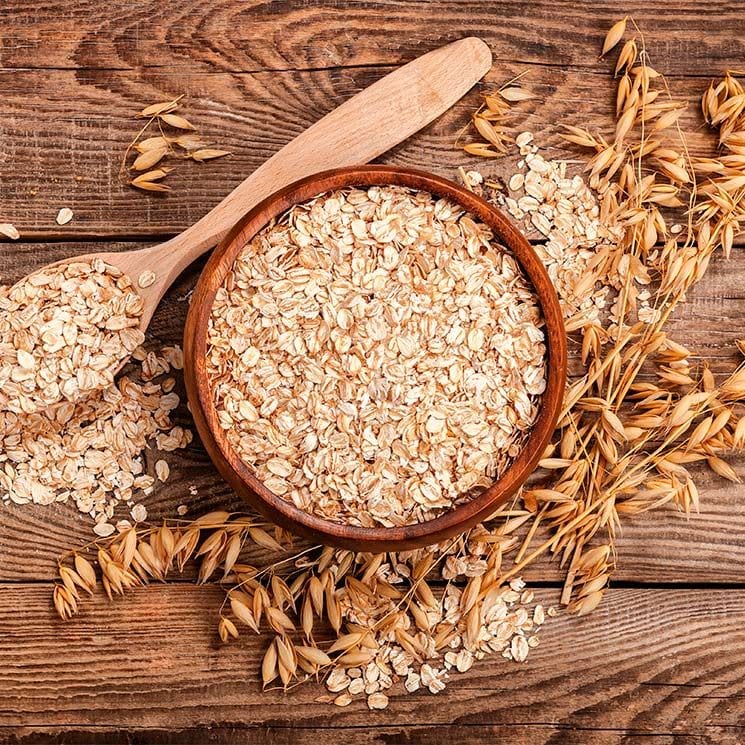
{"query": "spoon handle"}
(362, 128)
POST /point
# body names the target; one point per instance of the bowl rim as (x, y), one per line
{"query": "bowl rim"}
(240, 475)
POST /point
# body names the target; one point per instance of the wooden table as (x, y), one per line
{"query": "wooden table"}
(662, 660)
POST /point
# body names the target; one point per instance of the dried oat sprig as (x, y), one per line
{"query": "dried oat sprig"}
(491, 119)
(624, 446)
(387, 619)
(177, 138)
(139, 554)
(637, 481)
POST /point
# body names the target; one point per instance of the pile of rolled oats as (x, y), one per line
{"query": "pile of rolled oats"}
(580, 237)
(92, 452)
(63, 331)
(566, 212)
(580, 240)
(376, 356)
(411, 655)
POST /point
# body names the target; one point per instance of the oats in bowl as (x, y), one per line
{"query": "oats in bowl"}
(376, 357)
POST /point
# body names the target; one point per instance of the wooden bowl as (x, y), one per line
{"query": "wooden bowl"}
(241, 477)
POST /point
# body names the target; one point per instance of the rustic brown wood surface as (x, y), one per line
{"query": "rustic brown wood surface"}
(661, 661)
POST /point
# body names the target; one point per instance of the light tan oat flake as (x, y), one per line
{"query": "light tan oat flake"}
(343, 699)
(103, 529)
(146, 279)
(64, 216)
(162, 470)
(139, 513)
(9, 231)
(377, 701)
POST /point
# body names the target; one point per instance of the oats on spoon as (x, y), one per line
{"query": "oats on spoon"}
(64, 331)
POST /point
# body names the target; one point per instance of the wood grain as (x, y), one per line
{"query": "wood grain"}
(655, 547)
(659, 548)
(236, 37)
(56, 155)
(678, 667)
(381, 734)
(651, 666)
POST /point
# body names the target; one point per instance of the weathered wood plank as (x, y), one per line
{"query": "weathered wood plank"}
(650, 666)
(54, 154)
(381, 734)
(659, 547)
(648, 661)
(652, 548)
(243, 36)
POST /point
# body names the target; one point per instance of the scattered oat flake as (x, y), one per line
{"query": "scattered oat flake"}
(473, 178)
(146, 278)
(64, 216)
(9, 231)
(539, 615)
(175, 357)
(181, 510)
(516, 182)
(377, 701)
(413, 682)
(162, 470)
(519, 648)
(139, 513)
(103, 529)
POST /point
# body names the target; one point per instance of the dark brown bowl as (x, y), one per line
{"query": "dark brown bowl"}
(241, 477)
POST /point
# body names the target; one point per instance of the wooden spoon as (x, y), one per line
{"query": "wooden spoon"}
(362, 128)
